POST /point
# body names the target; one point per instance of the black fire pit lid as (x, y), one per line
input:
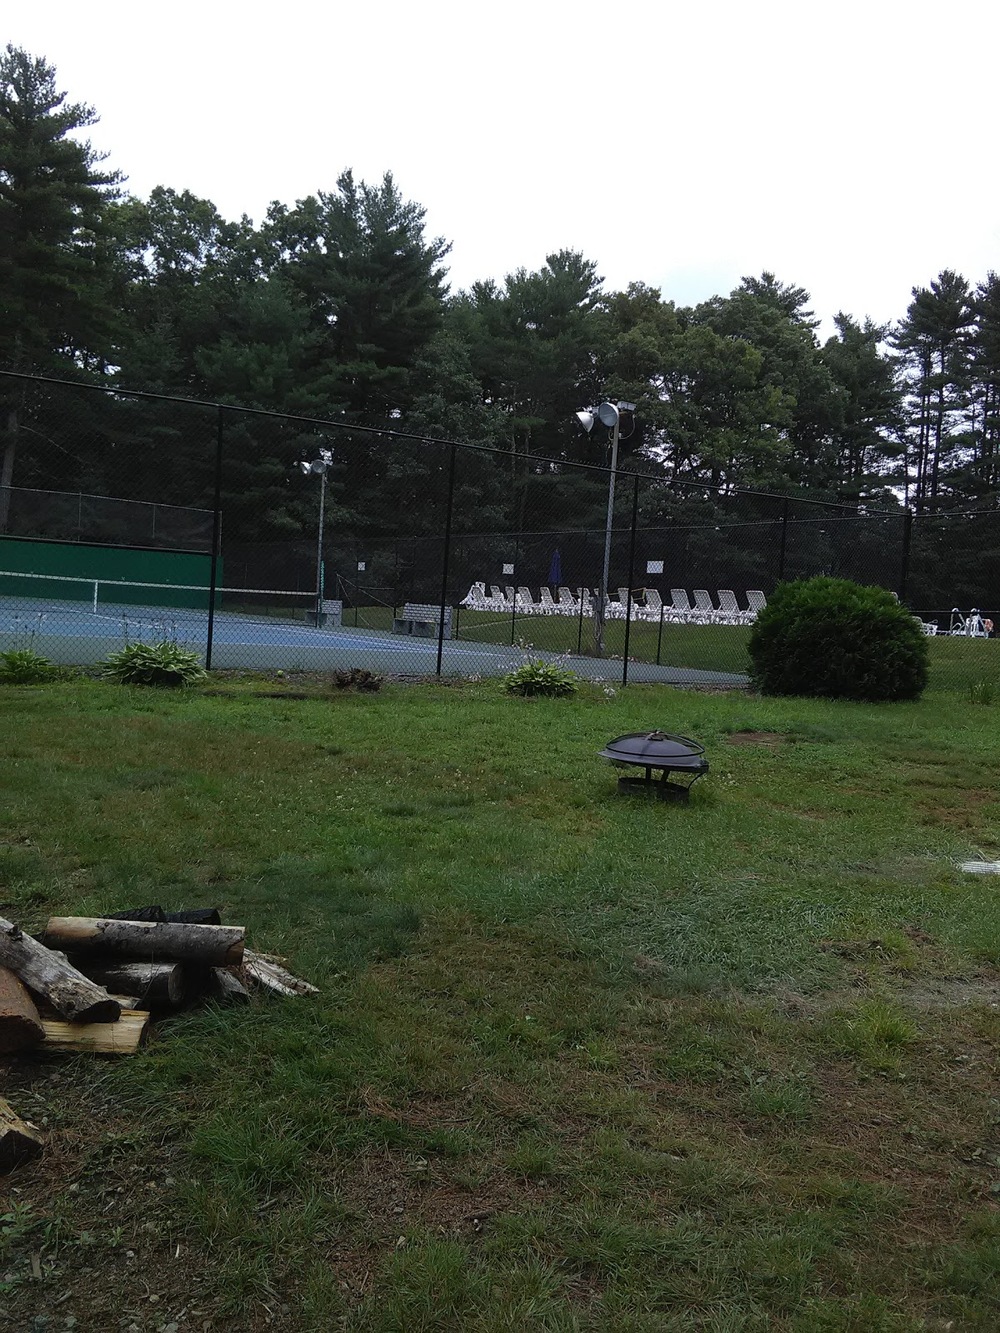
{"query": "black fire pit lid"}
(656, 749)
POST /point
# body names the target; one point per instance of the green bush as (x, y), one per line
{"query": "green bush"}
(21, 666)
(837, 640)
(536, 677)
(153, 664)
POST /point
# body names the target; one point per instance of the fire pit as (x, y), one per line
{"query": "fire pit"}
(657, 750)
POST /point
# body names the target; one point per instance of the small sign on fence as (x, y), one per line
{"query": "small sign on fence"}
(361, 566)
(508, 569)
(654, 566)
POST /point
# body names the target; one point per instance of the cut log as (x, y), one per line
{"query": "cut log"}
(160, 985)
(265, 972)
(70, 993)
(121, 1038)
(20, 1025)
(146, 941)
(224, 988)
(19, 1141)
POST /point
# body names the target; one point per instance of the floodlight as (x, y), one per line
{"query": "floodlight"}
(318, 465)
(607, 415)
(586, 420)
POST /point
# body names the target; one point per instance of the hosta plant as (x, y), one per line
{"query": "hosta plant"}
(536, 677)
(162, 663)
(21, 666)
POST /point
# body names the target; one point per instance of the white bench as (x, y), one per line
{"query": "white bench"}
(422, 619)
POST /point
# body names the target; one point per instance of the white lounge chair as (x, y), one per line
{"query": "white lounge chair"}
(681, 605)
(567, 604)
(704, 608)
(729, 612)
(546, 604)
(525, 602)
(498, 602)
(756, 601)
(475, 595)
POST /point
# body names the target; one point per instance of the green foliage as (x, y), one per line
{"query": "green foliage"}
(981, 692)
(537, 677)
(162, 663)
(21, 666)
(837, 640)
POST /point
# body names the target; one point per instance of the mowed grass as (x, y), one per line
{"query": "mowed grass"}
(580, 1061)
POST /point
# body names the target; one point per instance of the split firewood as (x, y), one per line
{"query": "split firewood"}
(20, 1142)
(20, 1025)
(70, 993)
(148, 941)
(121, 1038)
(225, 988)
(160, 985)
(265, 972)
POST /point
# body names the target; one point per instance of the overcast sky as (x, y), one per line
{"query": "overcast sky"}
(849, 147)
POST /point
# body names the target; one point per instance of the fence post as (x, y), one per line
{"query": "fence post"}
(447, 554)
(631, 578)
(784, 540)
(213, 578)
(579, 628)
(904, 567)
(659, 633)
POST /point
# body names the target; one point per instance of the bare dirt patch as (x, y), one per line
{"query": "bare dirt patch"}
(770, 738)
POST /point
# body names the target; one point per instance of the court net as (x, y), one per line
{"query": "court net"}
(116, 598)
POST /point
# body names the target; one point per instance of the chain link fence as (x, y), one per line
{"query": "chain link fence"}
(127, 517)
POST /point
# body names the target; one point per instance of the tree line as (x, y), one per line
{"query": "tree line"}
(338, 307)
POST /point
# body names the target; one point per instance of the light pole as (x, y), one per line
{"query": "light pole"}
(609, 415)
(319, 467)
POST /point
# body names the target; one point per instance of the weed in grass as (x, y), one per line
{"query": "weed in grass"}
(778, 1098)
(982, 692)
(533, 1158)
(874, 1033)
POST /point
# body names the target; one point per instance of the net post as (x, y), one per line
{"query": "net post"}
(213, 581)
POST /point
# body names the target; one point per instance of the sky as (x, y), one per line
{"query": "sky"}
(850, 148)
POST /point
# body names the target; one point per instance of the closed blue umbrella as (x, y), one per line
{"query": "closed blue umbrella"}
(555, 570)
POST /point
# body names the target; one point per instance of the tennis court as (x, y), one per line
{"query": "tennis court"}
(260, 629)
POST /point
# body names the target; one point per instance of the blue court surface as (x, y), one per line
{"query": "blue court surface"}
(71, 634)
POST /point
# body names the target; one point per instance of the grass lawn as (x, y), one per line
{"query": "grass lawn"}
(580, 1061)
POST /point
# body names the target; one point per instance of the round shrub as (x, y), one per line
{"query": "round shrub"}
(837, 640)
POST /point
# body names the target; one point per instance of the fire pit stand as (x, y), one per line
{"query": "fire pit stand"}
(657, 751)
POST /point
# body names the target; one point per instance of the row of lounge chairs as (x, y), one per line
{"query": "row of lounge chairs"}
(646, 604)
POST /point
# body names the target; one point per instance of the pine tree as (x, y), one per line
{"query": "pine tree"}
(55, 308)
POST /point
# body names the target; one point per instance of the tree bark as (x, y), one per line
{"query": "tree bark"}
(70, 993)
(162, 985)
(20, 1026)
(19, 1141)
(269, 974)
(224, 988)
(146, 941)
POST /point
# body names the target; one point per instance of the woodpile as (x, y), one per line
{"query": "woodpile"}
(91, 984)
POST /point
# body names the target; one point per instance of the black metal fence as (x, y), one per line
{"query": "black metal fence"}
(131, 516)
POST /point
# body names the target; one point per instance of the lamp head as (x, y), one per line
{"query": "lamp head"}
(607, 415)
(318, 465)
(586, 420)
